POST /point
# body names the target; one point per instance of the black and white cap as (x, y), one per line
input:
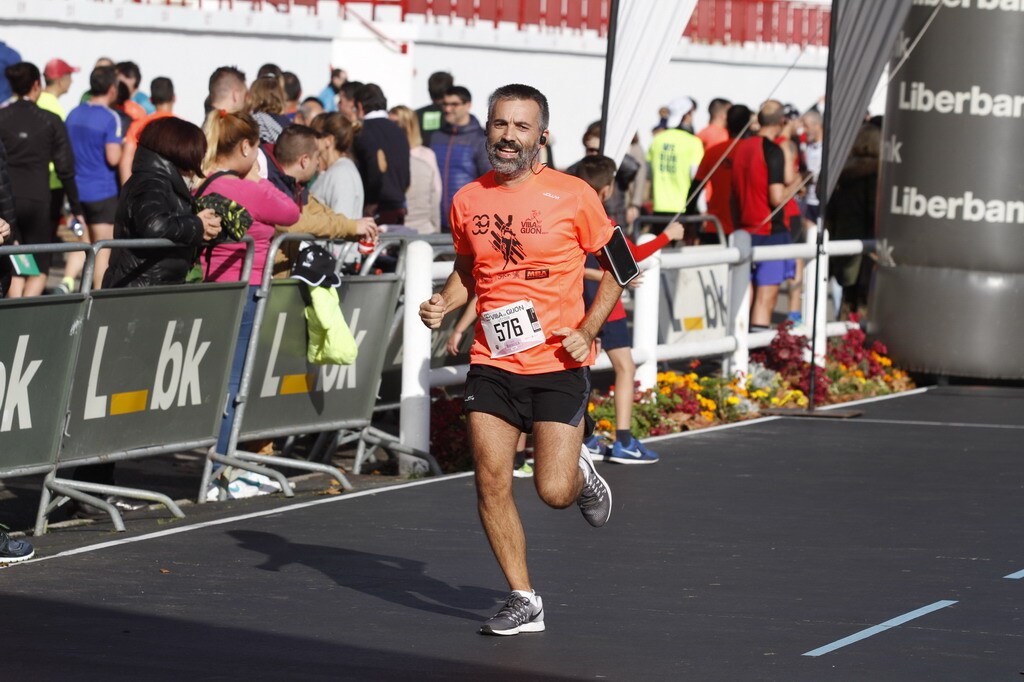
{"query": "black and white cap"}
(315, 267)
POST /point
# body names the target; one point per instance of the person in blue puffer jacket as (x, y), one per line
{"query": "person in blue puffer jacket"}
(460, 146)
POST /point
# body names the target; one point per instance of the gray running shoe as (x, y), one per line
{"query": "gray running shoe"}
(595, 500)
(517, 615)
(12, 551)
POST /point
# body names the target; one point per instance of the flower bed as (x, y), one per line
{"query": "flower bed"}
(778, 377)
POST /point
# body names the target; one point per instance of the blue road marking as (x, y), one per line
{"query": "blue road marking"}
(864, 634)
(1015, 576)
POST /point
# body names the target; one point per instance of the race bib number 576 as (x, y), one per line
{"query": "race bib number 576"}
(512, 328)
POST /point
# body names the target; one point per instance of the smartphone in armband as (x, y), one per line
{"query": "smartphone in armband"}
(617, 258)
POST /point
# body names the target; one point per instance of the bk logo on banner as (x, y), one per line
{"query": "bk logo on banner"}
(15, 377)
(176, 381)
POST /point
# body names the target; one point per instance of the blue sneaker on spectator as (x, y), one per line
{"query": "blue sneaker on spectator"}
(596, 446)
(632, 453)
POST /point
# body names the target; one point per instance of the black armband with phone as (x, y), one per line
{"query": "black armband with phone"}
(617, 258)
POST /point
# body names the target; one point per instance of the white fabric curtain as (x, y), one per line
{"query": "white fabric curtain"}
(647, 34)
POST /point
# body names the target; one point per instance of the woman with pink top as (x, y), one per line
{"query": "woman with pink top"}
(233, 142)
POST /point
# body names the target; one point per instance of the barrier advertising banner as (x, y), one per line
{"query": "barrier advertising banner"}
(153, 368)
(391, 377)
(37, 350)
(693, 303)
(287, 394)
(949, 289)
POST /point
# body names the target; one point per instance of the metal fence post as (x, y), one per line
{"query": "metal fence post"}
(645, 321)
(739, 303)
(806, 308)
(821, 342)
(414, 423)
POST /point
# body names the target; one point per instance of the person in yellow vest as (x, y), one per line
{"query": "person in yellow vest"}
(57, 75)
(674, 155)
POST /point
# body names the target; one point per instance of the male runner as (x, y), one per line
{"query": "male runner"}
(521, 233)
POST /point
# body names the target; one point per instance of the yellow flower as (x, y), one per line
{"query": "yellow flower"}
(732, 400)
(708, 414)
(859, 374)
(665, 390)
(775, 401)
(707, 403)
(884, 361)
(761, 394)
(591, 407)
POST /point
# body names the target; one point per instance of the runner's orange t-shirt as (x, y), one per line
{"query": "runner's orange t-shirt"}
(529, 242)
(135, 129)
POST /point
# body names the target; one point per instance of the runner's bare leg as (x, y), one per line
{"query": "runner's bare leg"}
(494, 442)
(556, 462)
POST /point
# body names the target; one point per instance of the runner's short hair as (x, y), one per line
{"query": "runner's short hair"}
(596, 170)
(180, 142)
(161, 90)
(717, 106)
(459, 91)
(438, 84)
(101, 79)
(224, 79)
(737, 119)
(294, 141)
(292, 87)
(521, 92)
(349, 89)
(22, 76)
(131, 71)
(772, 113)
(371, 97)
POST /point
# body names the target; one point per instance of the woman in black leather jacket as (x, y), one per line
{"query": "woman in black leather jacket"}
(156, 203)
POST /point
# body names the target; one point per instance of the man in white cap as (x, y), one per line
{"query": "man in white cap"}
(674, 156)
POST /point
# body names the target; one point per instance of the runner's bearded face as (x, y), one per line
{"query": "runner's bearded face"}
(513, 134)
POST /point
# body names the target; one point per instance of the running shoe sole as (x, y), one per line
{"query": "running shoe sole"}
(15, 560)
(537, 626)
(631, 460)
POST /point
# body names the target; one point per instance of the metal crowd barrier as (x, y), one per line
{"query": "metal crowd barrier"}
(147, 377)
(281, 394)
(38, 345)
(104, 376)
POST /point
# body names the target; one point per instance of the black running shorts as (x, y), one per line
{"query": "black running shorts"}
(522, 399)
(100, 212)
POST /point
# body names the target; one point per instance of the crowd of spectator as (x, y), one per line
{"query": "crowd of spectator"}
(363, 166)
(397, 167)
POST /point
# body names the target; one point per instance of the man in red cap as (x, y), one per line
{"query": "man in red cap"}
(57, 75)
(58, 81)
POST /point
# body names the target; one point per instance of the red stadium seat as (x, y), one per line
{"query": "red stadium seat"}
(531, 15)
(574, 14)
